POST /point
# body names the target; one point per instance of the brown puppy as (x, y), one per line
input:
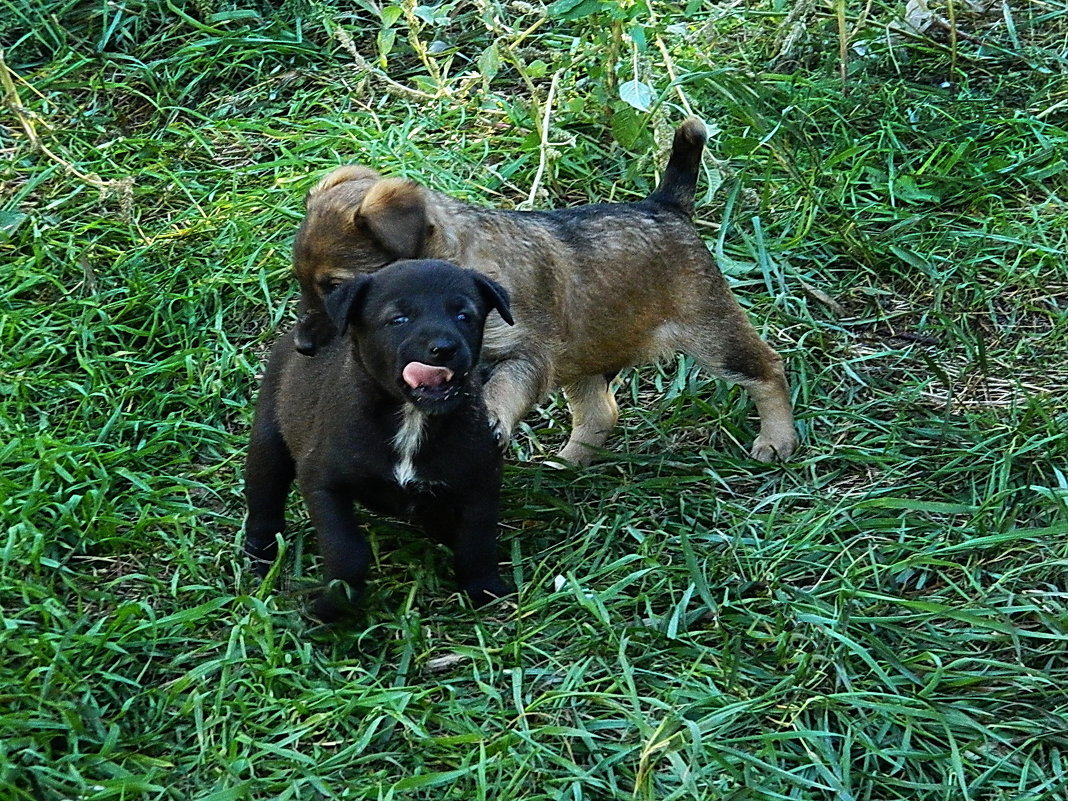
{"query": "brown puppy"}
(594, 289)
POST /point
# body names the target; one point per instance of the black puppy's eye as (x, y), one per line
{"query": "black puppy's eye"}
(463, 317)
(400, 319)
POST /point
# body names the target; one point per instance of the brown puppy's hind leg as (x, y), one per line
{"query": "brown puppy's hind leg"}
(730, 348)
(593, 414)
(771, 395)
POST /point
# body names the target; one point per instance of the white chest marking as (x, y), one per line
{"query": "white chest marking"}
(406, 444)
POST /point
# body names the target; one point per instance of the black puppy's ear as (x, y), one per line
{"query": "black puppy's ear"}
(312, 331)
(344, 302)
(495, 295)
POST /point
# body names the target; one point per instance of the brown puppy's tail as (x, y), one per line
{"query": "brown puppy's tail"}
(679, 183)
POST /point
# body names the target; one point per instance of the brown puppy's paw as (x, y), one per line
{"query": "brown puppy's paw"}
(774, 449)
(575, 454)
(500, 433)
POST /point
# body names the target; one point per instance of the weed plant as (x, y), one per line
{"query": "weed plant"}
(882, 618)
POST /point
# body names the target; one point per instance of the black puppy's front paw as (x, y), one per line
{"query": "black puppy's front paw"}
(487, 589)
(338, 602)
(260, 567)
(261, 553)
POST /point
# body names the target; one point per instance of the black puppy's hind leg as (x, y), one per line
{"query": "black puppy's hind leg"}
(269, 471)
(344, 550)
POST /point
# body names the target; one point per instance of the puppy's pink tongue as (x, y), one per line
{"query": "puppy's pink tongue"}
(417, 374)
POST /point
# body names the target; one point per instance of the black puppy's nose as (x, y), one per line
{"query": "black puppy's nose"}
(442, 349)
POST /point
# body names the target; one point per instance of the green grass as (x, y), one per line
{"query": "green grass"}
(883, 618)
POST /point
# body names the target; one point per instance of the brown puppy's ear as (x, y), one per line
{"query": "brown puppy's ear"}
(312, 331)
(351, 172)
(495, 295)
(345, 302)
(394, 212)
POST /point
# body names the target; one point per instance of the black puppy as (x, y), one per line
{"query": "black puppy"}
(390, 416)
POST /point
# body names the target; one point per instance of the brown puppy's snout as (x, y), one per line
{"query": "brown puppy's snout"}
(312, 330)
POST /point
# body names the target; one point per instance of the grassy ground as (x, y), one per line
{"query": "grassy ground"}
(883, 618)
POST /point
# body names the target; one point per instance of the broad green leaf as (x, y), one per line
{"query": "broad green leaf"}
(10, 221)
(489, 62)
(576, 9)
(386, 38)
(537, 69)
(627, 126)
(636, 94)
